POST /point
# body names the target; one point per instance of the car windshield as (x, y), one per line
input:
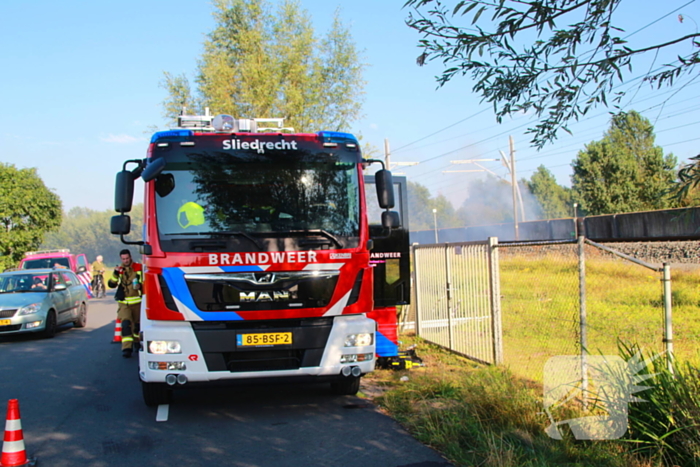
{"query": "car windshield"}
(225, 195)
(14, 283)
(42, 263)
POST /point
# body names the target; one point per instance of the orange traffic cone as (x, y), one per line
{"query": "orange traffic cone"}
(13, 452)
(117, 332)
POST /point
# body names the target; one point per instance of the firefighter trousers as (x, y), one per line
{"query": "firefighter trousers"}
(130, 316)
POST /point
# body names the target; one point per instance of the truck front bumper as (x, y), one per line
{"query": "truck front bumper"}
(212, 351)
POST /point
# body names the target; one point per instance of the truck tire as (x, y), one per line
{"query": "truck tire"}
(346, 386)
(155, 394)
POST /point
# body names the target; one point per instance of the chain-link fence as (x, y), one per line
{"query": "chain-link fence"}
(547, 290)
(539, 303)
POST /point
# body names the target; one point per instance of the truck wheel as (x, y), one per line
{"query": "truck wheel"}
(156, 393)
(346, 386)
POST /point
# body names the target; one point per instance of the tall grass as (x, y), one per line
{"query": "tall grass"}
(665, 426)
(486, 416)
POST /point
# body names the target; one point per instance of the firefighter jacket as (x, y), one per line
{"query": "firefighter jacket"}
(125, 284)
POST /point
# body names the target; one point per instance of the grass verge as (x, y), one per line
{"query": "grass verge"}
(486, 416)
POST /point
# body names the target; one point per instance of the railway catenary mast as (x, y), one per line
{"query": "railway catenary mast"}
(257, 256)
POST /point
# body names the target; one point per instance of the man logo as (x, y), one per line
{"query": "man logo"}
(265, 278)
(265, 296)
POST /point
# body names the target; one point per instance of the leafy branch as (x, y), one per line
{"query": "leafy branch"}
(548, 75)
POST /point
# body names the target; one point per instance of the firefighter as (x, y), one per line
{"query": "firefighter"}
(128, 278)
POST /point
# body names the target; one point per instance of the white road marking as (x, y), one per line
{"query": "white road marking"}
(162, 414)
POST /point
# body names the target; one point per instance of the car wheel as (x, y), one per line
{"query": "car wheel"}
(81, 320)
(346, 386)
(156, 393)
(50, 326)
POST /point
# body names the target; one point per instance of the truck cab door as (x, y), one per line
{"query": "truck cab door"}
(390, 255)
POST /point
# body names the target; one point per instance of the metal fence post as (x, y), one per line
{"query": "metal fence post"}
(416, 276)
(495, 289)
(668, 321)
(582, 319)
(448, 285)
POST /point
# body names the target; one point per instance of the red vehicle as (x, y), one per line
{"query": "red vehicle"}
(60, 258)
(257, 256)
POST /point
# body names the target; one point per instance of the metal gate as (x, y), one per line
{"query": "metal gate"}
(458, 298)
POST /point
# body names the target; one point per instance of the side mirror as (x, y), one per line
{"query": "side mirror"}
(81, 269)
(390, 220)
(120, 225)
(385, 188)
(123, 191)
(59, 287)
(153, 169)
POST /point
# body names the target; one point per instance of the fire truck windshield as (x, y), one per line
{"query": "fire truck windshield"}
(246, 199)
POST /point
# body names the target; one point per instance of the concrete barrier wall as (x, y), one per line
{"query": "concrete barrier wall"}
(668, 224)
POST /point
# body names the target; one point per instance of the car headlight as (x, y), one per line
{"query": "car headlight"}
(359, 340)
(29, 309)
(164, 347)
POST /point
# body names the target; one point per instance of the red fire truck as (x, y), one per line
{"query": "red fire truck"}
(262, 257)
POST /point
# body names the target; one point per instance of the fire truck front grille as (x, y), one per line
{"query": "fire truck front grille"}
(269, 360)
(219, 341)
(252, 291)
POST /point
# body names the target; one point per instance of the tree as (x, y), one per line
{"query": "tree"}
(534, 65)
(87, 231)
(686, 189)
(259, 64)
(624, 172)
(28, 210)
(554, 199)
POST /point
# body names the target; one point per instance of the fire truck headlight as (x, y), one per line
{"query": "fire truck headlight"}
(164, 347)
(359, 340)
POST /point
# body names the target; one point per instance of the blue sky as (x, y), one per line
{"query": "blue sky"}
(80, 90)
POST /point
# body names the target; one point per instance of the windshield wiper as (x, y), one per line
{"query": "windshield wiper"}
(321, 232)
(222, 233)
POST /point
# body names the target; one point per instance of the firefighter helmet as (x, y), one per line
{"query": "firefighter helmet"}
(193, 214)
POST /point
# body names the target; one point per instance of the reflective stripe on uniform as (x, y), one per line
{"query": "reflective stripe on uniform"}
(127, 339)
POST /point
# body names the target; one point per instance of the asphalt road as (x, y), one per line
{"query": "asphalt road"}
(81, 405)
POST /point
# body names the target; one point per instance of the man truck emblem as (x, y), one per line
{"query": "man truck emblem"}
(264, 278)
(265, 296)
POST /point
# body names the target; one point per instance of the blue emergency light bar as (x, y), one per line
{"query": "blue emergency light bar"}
(336, 137)
(172, 135)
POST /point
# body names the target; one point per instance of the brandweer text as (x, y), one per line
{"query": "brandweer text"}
(225, 259)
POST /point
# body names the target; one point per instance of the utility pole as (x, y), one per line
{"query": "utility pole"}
(505, 162)
(515, 188)
(387, 154)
